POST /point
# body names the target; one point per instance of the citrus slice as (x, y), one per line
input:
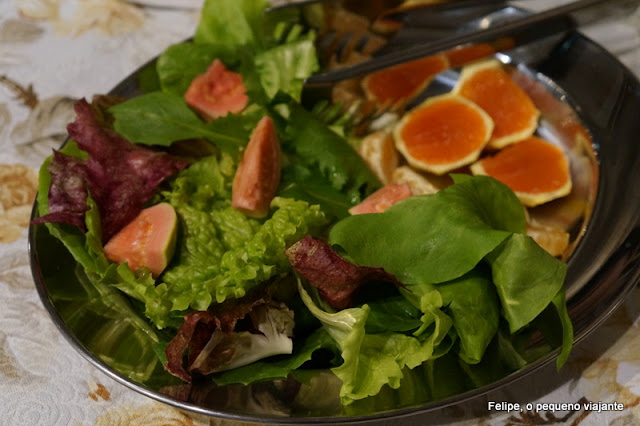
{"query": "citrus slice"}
(443, 133)
(514, 114)
(466, 54)
(536, 170)
(403, 81)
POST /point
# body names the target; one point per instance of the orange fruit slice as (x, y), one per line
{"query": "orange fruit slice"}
(536, 170)
(514, 114)
(443, 133)
(465, 54)
(403, 81)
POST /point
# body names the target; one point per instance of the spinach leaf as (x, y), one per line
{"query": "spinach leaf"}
(526, 277)
(392, 314)
(432, 238)
(304, 183)
(160, 119)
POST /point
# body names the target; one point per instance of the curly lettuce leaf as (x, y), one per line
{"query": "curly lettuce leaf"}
(179, 64)
(236, 24)
(372, 361)
(221, 253)
(284, 68)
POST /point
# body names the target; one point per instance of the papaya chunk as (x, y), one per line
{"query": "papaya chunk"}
(258, 175)
(383, 198)
(147, 241)
(217, 92)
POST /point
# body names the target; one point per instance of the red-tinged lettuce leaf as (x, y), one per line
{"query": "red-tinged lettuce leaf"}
(212, 343)
(118, 175)
(182, 341)
(336, 279)
(68, 191)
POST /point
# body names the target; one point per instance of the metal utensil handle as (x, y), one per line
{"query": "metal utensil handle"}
(521, 31)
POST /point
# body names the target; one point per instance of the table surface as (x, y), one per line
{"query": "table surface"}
(55, 51)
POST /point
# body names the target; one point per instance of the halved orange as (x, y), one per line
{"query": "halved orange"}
(403, 81)
(536, 170)
(514, 114)
(443, 133)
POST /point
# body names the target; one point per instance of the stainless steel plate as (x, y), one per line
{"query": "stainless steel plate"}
(589, 102)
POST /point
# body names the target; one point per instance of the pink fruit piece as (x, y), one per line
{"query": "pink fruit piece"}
(217, 92)
(149, 240)
(258, 175)
(383, 198)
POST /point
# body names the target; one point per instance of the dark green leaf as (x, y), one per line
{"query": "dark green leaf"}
(473, 306)
(431, 238)
(160, 119)
(279, 367)
(318, 147)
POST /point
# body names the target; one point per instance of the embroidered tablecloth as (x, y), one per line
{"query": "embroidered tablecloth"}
(55, 51)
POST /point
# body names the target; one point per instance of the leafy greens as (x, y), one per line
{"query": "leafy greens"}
(473, 283)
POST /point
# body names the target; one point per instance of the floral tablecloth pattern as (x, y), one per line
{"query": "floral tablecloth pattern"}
(55, 51)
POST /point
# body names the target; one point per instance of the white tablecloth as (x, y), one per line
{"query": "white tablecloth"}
(54, 51)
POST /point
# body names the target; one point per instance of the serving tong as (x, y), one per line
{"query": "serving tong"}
(369, 36)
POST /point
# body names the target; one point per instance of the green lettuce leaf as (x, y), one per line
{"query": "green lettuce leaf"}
(317, 147)
(472, 303)
(284, 68)
(179, 64)
(236, 24)
(526, 277)
(86, 249)
(433, 238)
(372, 361)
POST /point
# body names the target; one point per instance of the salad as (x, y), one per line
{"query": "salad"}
(221, 208)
